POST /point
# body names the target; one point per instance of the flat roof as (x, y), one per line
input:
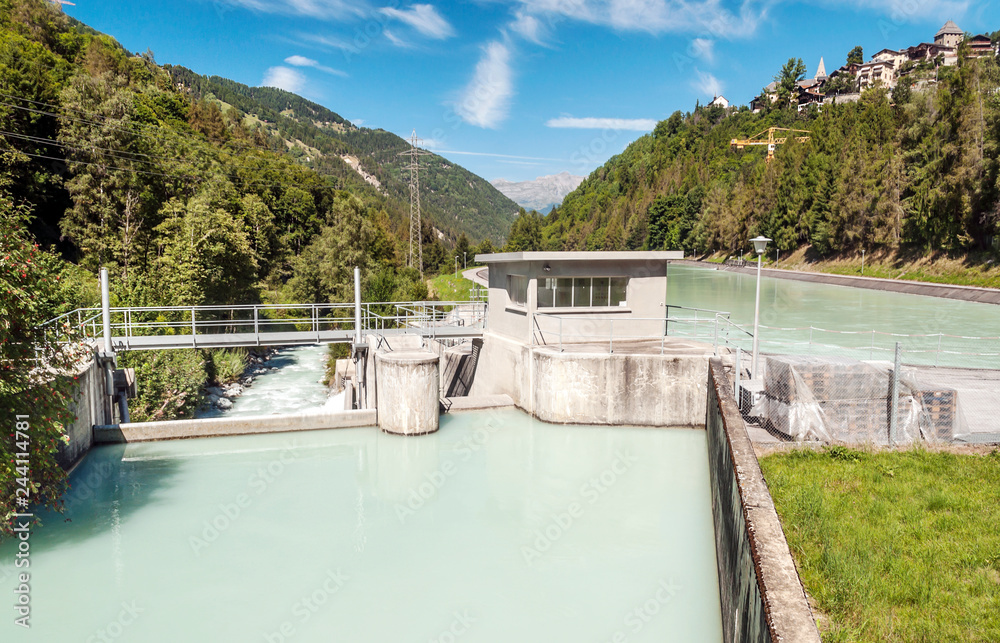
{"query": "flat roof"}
(507, 257)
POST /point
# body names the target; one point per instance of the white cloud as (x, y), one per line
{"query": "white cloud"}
(302, 61)
(285, 78)
(658, 16)
(325, 9)
(630, 124)
(424, 18)
(396, 40)
(704, 48)
(485, 101)
(528, 27)
(707, 84)
(328, 42)
(900, 11)
(424, 143)
(357, 122)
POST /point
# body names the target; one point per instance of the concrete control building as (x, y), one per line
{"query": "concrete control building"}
(533, 296)
(580, 337)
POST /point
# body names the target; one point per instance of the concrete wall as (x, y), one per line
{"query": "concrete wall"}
(505, 368)
(761, 594)
(458, 368)
(90, 406)
(213, 427)
(591, 388)
(647, 390)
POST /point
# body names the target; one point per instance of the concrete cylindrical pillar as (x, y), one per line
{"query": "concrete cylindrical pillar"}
(407, 384)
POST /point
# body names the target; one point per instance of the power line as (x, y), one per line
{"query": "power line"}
(122, 156)
(158, 129)
(189, 177)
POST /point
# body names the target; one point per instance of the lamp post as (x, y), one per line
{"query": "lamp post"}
(456, 266)
(759, 246)
(465, 260)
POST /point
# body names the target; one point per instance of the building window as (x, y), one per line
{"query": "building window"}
(517, 289)
(582, 292)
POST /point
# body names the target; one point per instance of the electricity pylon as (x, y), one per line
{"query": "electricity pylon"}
(416, 256)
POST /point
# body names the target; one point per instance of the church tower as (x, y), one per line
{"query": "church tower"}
(821, 72)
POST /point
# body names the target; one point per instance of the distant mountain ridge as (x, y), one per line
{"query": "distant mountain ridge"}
(540, 194)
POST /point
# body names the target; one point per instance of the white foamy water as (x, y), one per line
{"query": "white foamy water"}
(295, 387)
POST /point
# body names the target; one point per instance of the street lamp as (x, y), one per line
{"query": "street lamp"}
(759, 246)
(456, 266)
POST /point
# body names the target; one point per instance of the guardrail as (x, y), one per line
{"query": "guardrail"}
(565, 331)
(261, 319)
(927, 349)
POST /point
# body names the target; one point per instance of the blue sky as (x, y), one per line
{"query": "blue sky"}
(523, 88)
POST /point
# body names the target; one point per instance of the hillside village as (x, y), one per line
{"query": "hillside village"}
(919, 64)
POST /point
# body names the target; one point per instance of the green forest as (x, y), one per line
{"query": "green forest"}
(913, 168)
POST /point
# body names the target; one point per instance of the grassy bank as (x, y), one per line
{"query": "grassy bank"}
(981, 270)
(448, 287)
(894, 546)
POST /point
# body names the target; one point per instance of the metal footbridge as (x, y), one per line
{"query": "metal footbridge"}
(159, 328)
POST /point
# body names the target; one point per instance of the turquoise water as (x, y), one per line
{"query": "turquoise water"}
(789, 308)
(496, 528)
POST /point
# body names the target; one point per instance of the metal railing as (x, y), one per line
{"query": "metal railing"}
(597, 331)
(260, 319)
(927, 349)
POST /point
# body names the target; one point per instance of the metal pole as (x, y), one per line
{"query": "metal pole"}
(194, 331)
(894, 402)
(106, 309)
(756, 323)
(737, 370)
(357, 305)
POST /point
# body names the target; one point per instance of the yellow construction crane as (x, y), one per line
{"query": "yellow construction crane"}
(769, 140)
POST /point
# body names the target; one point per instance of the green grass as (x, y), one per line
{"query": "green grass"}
(448, 287)
(894, 546)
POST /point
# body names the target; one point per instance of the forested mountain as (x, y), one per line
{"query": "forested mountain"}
(452, 197)
(913, 168)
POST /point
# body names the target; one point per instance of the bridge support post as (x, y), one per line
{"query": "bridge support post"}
(106, 310)
(357, 305)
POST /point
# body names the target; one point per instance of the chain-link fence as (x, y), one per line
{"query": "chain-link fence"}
(845, 400)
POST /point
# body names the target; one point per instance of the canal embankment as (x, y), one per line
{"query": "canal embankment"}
(761, 594)
(927, 289)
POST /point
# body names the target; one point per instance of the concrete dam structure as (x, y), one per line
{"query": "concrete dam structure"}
(569, 338)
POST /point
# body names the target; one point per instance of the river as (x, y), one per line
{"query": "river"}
(294, 387)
